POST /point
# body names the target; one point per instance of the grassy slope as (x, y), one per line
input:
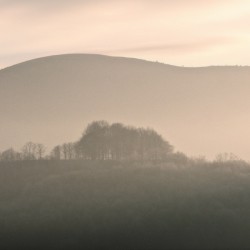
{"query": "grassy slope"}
(68, 205)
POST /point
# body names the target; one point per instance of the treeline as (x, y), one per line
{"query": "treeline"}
(100, 141)
(30, 151)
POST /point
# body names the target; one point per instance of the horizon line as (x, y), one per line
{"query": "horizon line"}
(121, 57)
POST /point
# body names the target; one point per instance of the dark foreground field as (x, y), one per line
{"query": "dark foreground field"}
(112, 205)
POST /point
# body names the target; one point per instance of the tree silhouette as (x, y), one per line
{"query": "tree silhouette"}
(56, 152)
(10, 155)
(29, 151)
(40, 150)
(101, 141)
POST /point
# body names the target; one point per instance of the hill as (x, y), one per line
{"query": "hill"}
(199, 110)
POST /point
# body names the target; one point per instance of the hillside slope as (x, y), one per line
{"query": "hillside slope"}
(128, 205)
(199, 110)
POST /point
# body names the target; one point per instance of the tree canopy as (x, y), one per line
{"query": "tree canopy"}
(102, 141)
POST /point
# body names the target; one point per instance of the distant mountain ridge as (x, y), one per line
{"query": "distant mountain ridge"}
(199, 110)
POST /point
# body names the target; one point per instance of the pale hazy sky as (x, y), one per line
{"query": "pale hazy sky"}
(180, 32)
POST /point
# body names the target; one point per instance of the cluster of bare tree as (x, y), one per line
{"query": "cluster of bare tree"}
(101, 141)
(30, 151)
(66, 151)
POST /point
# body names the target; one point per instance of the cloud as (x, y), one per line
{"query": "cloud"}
(180, 47)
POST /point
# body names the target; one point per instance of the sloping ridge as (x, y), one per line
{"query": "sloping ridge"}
(51, 100)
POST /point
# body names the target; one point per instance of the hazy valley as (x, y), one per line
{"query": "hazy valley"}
(97, 153)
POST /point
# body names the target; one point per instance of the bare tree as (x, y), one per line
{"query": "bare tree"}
(226, 157)
(56, 152)
(94, 140)
(40, 150)
(10, 155)
(29, 151)
(71, 150)
(64, 148)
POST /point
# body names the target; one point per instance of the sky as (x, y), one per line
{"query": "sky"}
(179, 32)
